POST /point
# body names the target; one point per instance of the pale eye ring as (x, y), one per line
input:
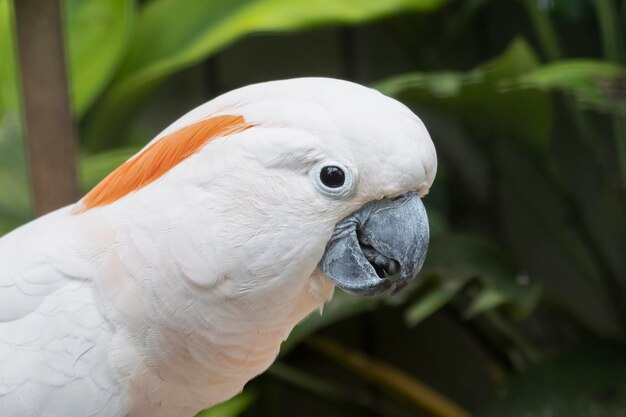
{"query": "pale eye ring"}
(333, 179)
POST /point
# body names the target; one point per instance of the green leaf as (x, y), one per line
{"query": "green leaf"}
(588, 81)
(489, 100)
(587, 381)
(231, 408)
(453, 262)
(486, 300)
(475, 266)
(429, 304)
(9, 91)
(171, 36)
(14, 198)
(456, 261)
(98, 32)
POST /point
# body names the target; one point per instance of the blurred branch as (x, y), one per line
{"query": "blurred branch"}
(390, 378)
(50, 133)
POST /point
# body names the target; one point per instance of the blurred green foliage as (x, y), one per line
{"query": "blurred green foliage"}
(532, 151)
(14, 199)
(162, 45)
(489, 95)
(97, 34)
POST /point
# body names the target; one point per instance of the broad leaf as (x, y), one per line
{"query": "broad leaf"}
(488, 100)
(590, 82)
(172, 35)
(9, 92)
(14, 198)
(455, 263)
(98, 32)
(428, 304)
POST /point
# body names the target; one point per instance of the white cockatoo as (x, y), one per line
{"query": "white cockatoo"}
(175, 280)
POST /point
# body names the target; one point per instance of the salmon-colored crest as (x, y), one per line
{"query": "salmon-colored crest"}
(158, 158)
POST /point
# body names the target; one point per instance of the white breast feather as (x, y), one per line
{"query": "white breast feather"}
(53, 338)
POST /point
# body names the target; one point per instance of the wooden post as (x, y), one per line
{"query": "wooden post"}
(49, 125)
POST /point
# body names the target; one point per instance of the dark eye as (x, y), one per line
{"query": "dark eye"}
(332, 176)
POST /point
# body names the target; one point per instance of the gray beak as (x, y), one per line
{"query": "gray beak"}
(378, 248)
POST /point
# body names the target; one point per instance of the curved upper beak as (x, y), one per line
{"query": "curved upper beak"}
(378, 248)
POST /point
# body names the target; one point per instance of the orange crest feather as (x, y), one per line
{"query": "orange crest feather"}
(158, 158)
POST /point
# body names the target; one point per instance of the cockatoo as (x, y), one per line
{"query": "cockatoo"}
(175, 280)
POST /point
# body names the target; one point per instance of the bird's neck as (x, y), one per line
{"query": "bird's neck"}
(205, 357)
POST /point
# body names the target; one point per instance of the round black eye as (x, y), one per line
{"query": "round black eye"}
(332, 176)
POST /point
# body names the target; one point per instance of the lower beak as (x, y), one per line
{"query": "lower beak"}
(378, 248)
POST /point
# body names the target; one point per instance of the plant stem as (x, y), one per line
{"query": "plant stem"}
(390, 378)
(544, 30)
(548, 40)
(607, 13)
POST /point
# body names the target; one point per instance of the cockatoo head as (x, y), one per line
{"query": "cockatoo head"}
(288, 176)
